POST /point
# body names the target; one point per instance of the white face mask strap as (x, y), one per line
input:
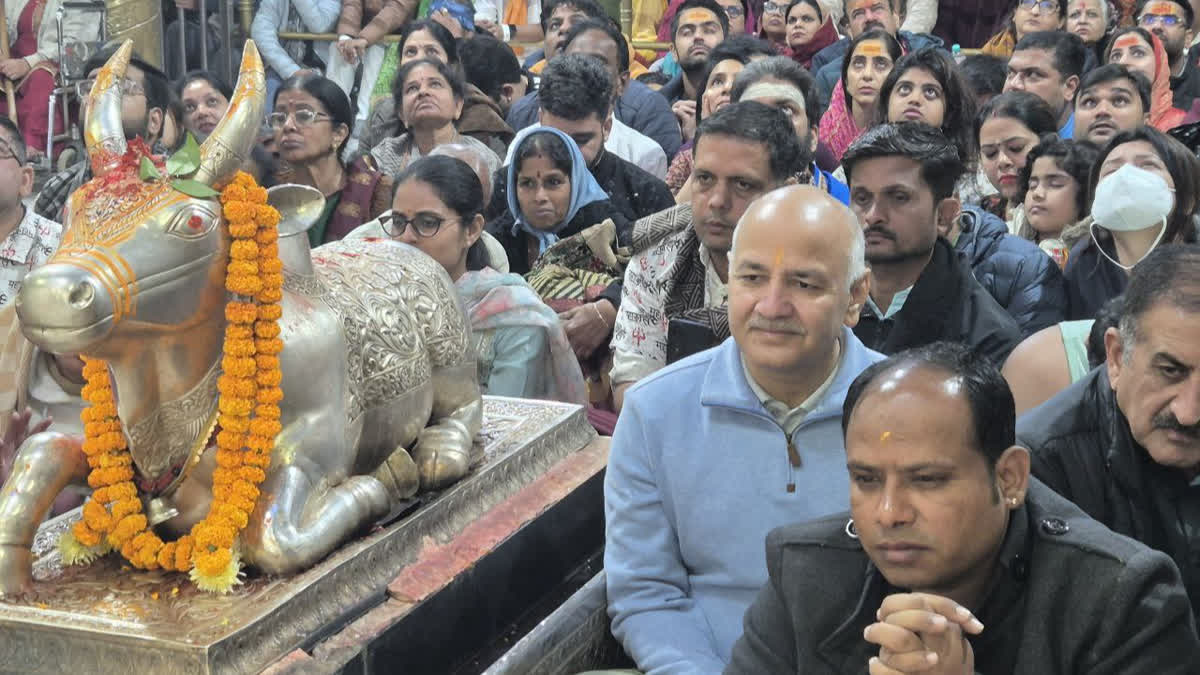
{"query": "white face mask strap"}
(1092, 231)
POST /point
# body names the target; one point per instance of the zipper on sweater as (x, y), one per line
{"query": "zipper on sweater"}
(793, 462)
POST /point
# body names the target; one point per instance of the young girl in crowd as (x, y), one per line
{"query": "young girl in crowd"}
(1142, 51)
(1144, 188)
(551, 195)
(520, 345)
(1054, 184)
(1029, 16)
(925, 86)
(312, 122)
(431, 96)
(869, 60)
(1006, 130)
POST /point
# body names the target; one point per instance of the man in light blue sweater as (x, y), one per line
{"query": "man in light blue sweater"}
(712, 452)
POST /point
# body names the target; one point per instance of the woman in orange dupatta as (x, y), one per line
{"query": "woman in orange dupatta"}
(1142, 51)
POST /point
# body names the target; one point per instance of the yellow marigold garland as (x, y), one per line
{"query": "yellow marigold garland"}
(248, 418)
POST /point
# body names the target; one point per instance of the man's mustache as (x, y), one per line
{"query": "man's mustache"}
(882, 232)
(774, 326)
(1168, 422)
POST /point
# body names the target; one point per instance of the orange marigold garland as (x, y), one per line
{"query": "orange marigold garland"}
(248, 419)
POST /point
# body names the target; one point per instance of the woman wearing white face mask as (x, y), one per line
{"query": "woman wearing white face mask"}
(1144, 192)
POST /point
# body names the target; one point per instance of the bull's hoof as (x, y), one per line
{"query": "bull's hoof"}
(440, 467)
(16, 570)
(399, 475)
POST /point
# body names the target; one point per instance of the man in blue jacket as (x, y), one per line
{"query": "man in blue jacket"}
(864, 15)
(713, 451)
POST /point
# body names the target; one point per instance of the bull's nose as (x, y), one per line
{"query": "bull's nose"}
(63, 308)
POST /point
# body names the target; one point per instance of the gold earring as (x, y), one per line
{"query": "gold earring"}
(1012, 501)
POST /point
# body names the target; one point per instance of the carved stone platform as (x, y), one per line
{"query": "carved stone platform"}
(109, 619)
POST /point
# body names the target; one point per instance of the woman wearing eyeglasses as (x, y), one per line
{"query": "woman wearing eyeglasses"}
(429, 95)
(311, 124)
(521, 347)
(1030, 16)
(773, 26)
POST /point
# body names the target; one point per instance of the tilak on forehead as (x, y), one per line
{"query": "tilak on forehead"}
(870, 48)
(1128, 40)
(1161, 7)
(698, 15)
(774, 91)
(862, 4)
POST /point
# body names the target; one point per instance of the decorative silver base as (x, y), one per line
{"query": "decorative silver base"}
(106, 618)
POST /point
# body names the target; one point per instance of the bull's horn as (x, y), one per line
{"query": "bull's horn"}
(227, 148)
(103, 132)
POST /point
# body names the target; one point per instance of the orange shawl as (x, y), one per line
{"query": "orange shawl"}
(1163, 113)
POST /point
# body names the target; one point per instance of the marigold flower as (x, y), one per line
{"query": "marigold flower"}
(126, 529)
(237, 517)
(269, 295)
(257, 194)
(243, 387)
(244, 250)
(229, 459)
(239, 348)
(244, 503)
(233, 423)
(241, 230)
(241, 312)
(213, 563)
(266, 362)
(238, 366)
(265, 428)
(243, 284)
(268, 345)
(270, 312)
(269, 395)
(242, 268)
(235, 406)
(269, 378)
(224, 477)
(86, 535)
(259, 459)
(233, 193)
(126, 507)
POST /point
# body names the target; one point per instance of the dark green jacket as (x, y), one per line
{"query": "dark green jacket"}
(1073, 599)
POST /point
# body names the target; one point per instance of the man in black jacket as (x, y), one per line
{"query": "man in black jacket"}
(952, 560)
(1124, 442)
(1020, 276)
(901, 179)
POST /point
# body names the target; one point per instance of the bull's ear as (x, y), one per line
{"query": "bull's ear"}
(299, 207)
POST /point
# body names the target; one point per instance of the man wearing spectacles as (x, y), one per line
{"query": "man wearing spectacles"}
(1171, 22)
(144, 101)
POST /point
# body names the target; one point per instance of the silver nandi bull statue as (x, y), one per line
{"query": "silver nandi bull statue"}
(380, 397)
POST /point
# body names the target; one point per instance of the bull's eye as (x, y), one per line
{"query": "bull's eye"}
(191, 223)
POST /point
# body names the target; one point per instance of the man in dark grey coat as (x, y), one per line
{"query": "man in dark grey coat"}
(1123, 443)
(952, 559)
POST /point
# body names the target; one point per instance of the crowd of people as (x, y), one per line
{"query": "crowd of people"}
(806, 267)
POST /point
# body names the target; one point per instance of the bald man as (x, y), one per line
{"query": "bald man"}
(474, 158)
(713, 451)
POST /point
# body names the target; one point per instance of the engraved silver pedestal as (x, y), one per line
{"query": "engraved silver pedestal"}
(106, 618)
